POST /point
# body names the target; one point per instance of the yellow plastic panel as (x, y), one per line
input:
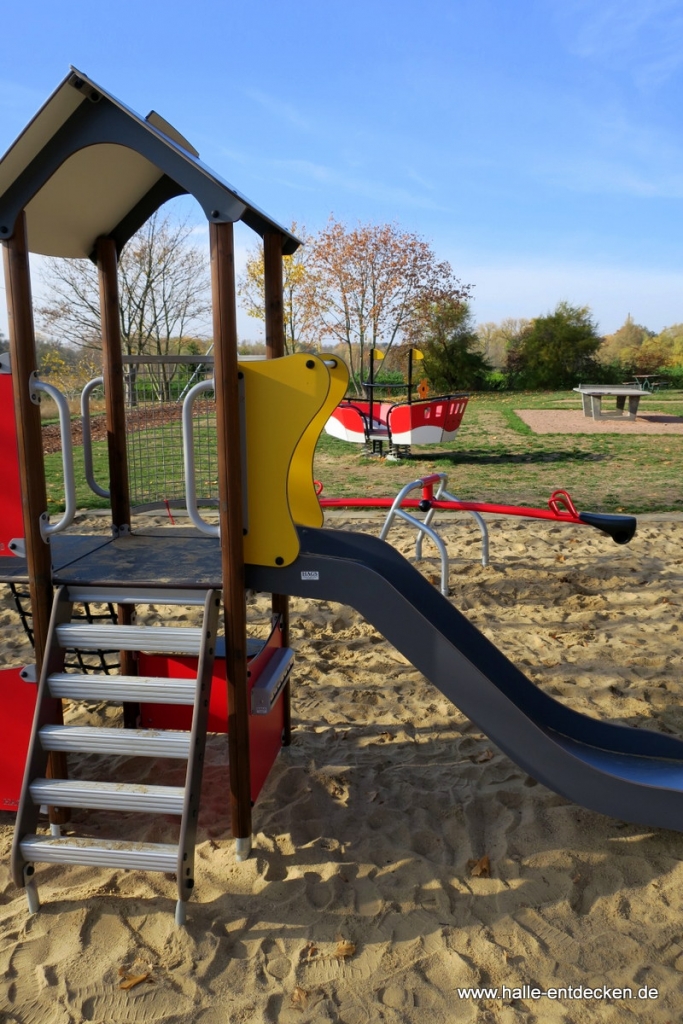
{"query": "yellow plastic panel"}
(282, 397)
(303, 501)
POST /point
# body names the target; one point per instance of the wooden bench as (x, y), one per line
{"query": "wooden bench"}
(593, 394)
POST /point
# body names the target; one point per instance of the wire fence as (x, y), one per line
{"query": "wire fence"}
(154, 388)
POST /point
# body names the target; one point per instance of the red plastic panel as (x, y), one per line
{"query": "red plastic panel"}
(18, 702)
(454, 414)
(11, 519)
(265, 731)
(347, 424)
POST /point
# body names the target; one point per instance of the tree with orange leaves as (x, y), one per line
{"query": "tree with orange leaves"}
(369, 283)
(300, 320)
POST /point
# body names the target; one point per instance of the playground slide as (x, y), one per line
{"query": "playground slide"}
(632, 774)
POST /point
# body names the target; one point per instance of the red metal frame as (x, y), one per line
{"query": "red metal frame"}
(18, 702)
(265, 731)
(11, 518)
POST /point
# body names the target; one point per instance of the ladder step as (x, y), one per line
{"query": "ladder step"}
(145, 689)
(106, 853)
(147, 595)
(108, 796)
(130, 742)
(157, 639)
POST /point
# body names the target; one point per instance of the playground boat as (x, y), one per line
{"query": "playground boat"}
(431, 421)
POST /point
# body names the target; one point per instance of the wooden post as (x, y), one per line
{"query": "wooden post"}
(275, 347)
(30, 450)
(230, 491)
(114, 396)
(115, 409)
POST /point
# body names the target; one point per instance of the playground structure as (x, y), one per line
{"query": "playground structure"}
(560, 509)
(78, 182)
(374, 423)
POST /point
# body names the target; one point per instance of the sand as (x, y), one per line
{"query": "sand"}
(360, 901)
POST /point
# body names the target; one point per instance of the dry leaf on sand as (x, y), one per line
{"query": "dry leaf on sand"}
(480, 868)
(344, 949)
(131, 980)
(299, 998)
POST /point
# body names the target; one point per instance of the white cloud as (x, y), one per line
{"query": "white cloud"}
(644, 37)
(283, 111)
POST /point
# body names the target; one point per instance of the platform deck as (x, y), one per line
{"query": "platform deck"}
(173, 558)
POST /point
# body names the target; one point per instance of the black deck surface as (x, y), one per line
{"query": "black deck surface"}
(157, 558)
(65, 548)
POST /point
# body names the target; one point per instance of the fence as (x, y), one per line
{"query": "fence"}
(154, 390)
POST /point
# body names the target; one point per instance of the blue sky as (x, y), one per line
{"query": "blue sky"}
(537, 145)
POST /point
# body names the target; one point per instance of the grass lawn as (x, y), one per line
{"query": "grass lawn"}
(495, 457)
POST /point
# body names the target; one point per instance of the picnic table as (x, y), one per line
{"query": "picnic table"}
(593, 394)
(651, 381)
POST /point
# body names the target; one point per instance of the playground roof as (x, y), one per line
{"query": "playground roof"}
(87, 165)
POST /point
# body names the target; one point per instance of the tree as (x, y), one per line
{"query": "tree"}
(495, 340)
(163, 291)
(367, 283)
(556, 350)
(299, 316)
(672, 338)
(4, 344)
(449, 341)
(624, 346)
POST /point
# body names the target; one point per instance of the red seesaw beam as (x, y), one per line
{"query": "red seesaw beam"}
(561, 510)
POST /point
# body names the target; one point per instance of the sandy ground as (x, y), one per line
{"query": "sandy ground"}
(363, 900)
(573, 421)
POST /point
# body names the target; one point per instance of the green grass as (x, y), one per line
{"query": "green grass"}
(495, 457)
(54, 479)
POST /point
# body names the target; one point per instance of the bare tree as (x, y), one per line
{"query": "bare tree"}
(163, 289)
(496, 339)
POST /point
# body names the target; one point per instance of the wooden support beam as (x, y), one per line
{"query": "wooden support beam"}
(115, 411)
(230, 493)
(30, 451)
(114, 391)
(275, 347)
(273, 284)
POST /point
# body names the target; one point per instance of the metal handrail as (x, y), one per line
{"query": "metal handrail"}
(422, 527)
(87, 437)
(443, 495)
(189, 461)
(48, 529)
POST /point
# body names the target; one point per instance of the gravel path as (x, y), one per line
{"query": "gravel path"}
(560, 421)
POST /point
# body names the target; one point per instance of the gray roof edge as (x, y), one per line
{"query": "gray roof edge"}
(27, 127)
(257, 218)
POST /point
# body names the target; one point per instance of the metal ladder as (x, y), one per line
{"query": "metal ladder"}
(53, 848)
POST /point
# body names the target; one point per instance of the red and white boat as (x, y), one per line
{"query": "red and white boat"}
(400, 424)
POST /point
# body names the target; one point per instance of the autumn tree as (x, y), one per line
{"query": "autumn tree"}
(300, 320)
(624, 346)
(163, 291)
(556, 350)
(367, 284)
(671, 338)
(495, 340)
(450, 344)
